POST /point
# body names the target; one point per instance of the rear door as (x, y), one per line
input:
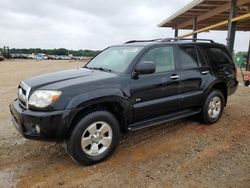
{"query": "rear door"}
(194, 74)
(157, 93)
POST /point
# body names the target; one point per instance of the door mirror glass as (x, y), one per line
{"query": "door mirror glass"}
(145, 67)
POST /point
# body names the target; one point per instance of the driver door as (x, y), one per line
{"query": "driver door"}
(156, 94)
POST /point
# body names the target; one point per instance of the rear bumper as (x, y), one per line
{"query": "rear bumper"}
(233, 88)
(48, 126)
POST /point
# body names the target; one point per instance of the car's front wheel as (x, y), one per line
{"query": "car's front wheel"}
(213, 107)
(94, 138)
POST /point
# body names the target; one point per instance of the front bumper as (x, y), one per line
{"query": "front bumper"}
(38, 125)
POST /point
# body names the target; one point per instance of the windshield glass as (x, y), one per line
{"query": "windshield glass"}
(116, 59)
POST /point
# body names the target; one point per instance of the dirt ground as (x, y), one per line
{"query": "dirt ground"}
(183, 153)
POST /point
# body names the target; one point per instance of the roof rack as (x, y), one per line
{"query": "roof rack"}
(192, 39)
(133, 41)
(169, 40)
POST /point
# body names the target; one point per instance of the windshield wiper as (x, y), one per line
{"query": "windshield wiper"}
(100, 68)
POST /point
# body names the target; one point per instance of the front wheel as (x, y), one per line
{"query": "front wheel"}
(94, 138)
(213, 107)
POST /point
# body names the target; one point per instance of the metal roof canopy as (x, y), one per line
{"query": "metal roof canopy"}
(205, 15)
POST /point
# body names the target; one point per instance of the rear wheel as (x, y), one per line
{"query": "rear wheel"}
(213, 107)
(94, 138)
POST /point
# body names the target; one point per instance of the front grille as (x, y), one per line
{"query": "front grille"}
(23, 91)
(23, 94)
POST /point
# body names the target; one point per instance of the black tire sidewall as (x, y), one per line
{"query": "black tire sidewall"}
(74, 143)
(207, 119)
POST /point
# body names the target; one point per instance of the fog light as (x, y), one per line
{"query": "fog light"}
(37, 129)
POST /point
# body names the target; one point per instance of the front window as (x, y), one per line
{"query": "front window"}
(115, 59)
(163, 57)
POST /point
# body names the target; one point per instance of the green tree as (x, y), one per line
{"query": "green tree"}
(240, 58)
(60, 51)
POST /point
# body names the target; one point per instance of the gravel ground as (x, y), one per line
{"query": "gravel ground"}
(183, 153)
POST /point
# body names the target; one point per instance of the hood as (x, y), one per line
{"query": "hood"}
(67, 76)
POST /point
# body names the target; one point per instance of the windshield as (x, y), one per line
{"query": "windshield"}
(115, 59)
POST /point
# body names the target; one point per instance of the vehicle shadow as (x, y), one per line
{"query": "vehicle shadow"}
(165, 129)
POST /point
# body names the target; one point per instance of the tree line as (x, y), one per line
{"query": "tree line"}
(59, 51)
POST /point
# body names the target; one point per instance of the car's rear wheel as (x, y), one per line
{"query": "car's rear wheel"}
(213, 107)
(94, 138)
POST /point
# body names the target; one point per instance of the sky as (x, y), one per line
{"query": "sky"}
(95, 24)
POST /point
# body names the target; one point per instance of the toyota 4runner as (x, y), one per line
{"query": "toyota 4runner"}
(126, 87)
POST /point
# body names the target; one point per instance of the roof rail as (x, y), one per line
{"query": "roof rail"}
(133, 41)
(170, 40)
(192, 39)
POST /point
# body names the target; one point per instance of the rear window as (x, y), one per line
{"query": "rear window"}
(218, 56)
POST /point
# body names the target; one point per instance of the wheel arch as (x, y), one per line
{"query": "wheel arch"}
(117, 105)
(221, 86)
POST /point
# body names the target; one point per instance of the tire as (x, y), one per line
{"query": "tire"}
(94, 138)
(213, 107)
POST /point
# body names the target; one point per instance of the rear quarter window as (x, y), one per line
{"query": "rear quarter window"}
(218, 56)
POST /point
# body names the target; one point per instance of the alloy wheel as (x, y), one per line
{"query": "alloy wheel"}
(97, 138)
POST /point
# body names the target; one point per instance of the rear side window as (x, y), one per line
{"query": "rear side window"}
(218, 56)
(163, 57)
(202, 61)
(188, 57)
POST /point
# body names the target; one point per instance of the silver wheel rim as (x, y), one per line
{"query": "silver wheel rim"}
(214, 107)
(97, 138)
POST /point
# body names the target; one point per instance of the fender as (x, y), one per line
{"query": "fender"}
(86, 99)
(210, 84)
(97, 96)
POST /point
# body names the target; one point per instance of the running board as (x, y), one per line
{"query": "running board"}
(162, 119)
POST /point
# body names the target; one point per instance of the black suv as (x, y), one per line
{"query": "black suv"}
(125, 87)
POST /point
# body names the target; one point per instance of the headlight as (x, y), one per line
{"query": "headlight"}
(43, 98)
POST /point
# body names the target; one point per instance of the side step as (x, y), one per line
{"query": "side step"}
(162, 119)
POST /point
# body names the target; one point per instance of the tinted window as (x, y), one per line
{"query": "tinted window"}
(162, 57)
(202, 61)
(218, 56)
(188, 57)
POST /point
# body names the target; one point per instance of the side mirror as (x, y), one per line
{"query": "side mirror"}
(145, 67)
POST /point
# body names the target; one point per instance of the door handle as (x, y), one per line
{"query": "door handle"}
(204, 72)
(173, 77)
